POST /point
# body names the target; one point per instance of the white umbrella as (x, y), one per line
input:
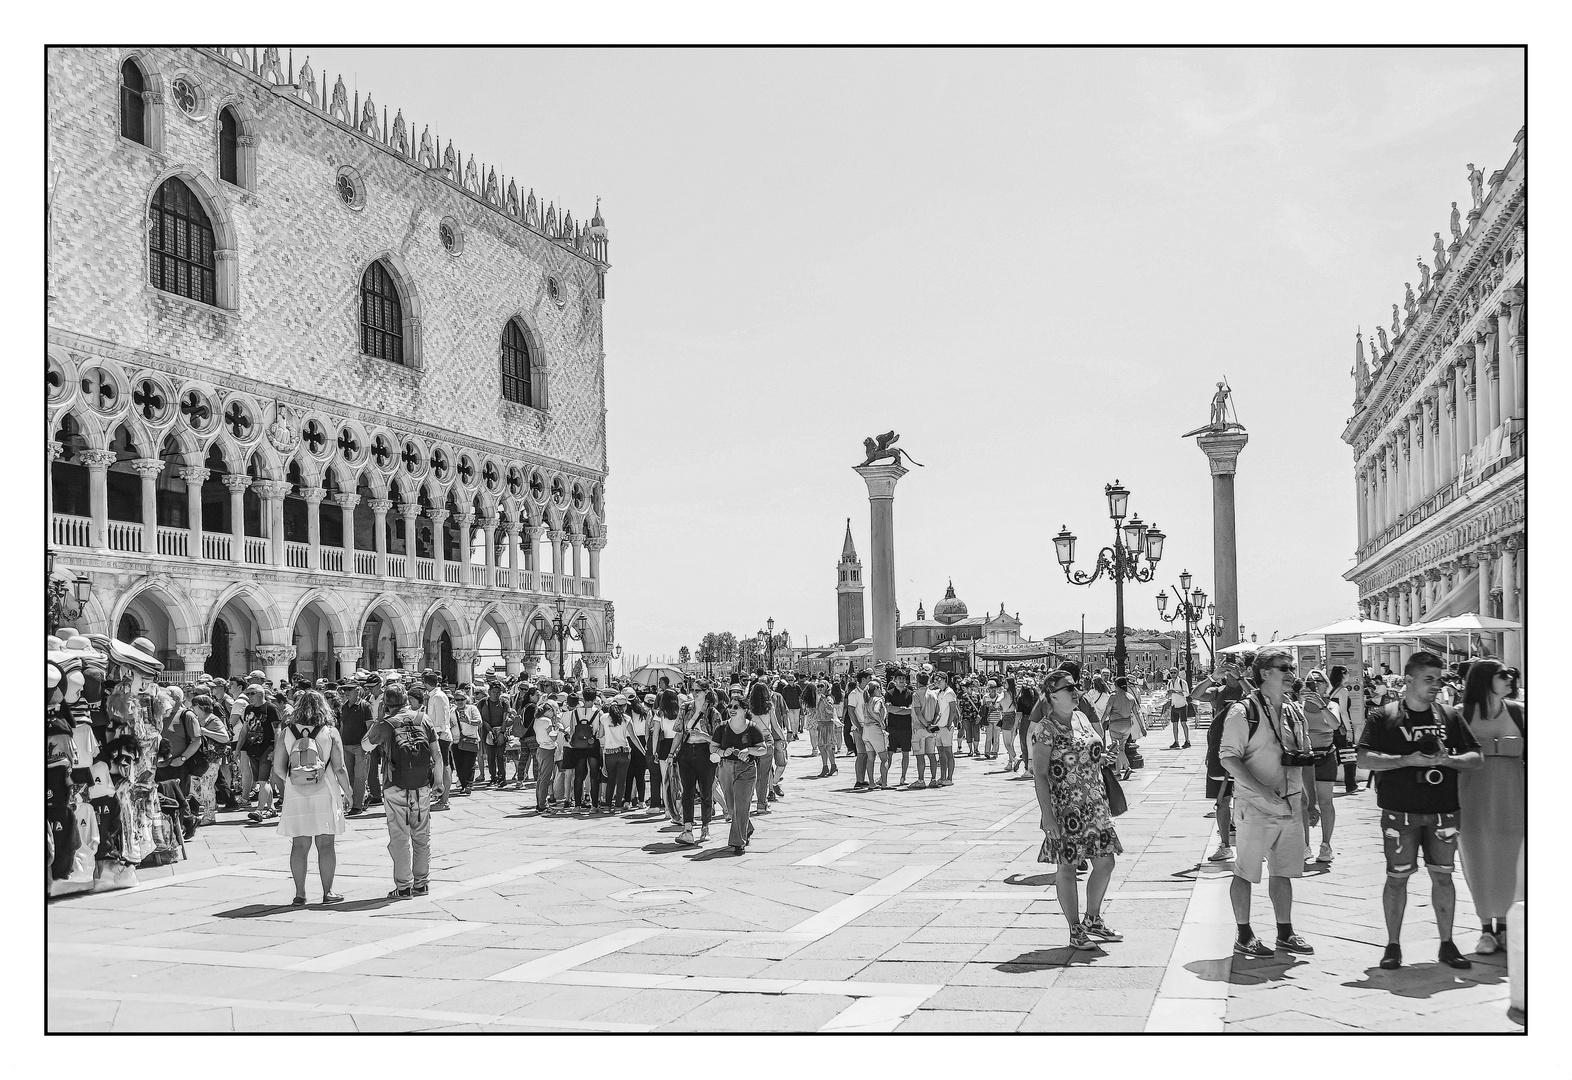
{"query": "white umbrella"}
(650, 675)
(1469, 622)
(1355, 626)
(1303, 641)
(1242, 647)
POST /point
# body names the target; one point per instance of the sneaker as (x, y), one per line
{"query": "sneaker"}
(1175, 746)
(1079, 938)
(934, 783)
(1392, 958)
(917, 785)
(1224, 853)
(859, 786)
(704, 834)
(1294, 943)
(421, 890)
(946, 783)
(1487, 944)
(1253, 948)
(403, 892)
(686, 839)
(1449, 956)
(777, 792)
(1095, 927)
(1325, 855)
(1186, 746)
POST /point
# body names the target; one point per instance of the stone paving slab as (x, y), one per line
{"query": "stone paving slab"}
(856, 939)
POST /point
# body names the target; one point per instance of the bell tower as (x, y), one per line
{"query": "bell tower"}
(848, 592)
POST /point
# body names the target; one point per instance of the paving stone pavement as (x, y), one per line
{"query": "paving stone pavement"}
(888, 911)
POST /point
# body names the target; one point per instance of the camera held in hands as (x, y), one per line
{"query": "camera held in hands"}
(1429, 745)
(1298, 759)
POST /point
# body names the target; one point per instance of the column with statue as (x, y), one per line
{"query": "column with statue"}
(1221, 440)
(881, 480)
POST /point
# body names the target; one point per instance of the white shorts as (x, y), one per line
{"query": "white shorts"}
(875, 739)
(1279, 842)
(946, 738)
(925, 744)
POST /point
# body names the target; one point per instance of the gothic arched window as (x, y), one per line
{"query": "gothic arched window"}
(180, 243)
(515, 365)
(228, 152)
(381, 315)
(133, 109)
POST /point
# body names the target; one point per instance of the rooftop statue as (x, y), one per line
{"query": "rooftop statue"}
(1476, 186)
(1456, 224)
(1424, 276)
(1221, 407)
(883, 446)
(1440, 249)
(1381, 334)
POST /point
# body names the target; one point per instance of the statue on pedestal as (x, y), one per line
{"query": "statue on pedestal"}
(883, 446)
(1424, 276)
(1456, 225)
(1219, 421)
(1476, 186)
(1381, 334)
(1440, 249)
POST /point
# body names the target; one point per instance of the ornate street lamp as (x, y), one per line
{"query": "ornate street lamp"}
(1121, 562)
(770, 626)
(1191, 603)
(560, 628)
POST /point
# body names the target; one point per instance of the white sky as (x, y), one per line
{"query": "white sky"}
(1032, 264)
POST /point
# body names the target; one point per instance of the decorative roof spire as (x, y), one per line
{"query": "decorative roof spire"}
(848, 551)
(949, 593)
(921, 615)
(597, 221)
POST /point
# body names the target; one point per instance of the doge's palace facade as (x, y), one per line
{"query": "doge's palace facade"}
(321, 394)
(1439, 425)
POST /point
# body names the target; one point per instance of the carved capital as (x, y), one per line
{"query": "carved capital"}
(462, 520)
(313, 494)
(275, 655)
(193, 474)
(594, 543)
(437, 517)
(409, 659)
(348, 655)
(380, 506)
(409, 510)
(273, 489)
(55, 449)
(194, 655)
(348, 500)
(235, 481)
(98, 460)
(509, 528)
(464, 656)
(147, 468)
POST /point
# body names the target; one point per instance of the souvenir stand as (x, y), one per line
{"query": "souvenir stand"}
(103, 813)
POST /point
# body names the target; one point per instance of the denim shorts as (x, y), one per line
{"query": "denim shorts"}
(1404, 836)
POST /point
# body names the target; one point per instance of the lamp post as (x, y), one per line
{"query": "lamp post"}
(1214, 626)
(1121, 562)
(1191, 604)
(80, 587)
(560, 627)
(770, 626)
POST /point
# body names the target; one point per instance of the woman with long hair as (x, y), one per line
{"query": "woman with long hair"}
(695, 754)
(612, 731)
(640, 714)
(1118, 714)
(310, 756)
(1067, 761)
(816, 710)
(1322, 724)
(740, 742)
(1493, 800)
(1340, 692)
(761, 709)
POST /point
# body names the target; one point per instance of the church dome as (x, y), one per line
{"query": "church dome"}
(951, 609)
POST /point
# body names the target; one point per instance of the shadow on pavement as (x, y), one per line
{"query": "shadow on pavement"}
(253, 911)
(1039, 880)
(663, 849)
(722, 852)
(1041, 958)
(1427, 980)
(1246, 971)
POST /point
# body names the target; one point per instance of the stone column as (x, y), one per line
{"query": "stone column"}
(148, 469)
(1410, 490)
(1222, 451)
(1506, 368)
(576, 541)
(275, 661)
(555, 538)
(193, 657)
(1426, 449)
(194, 475)
(411, 659)
(513, 658)
(439, 554)
(593, 544)
(1490, 376)
(348, 657)
(272, 493)
(1449, 430)
(464, 665)
(881, 481)
(533, 535)
(55, 450)
(1405, 604)
(237, 484)
(463, 525)
(379, 532)
(1383, 489)
(510, 530)
(313, 497)
(1437, 457)
(1479, 392)
(1517, 340)
(1465, 400)
(1361, 488)
(1486, 563)
(409, 511)
(1511, 606)
(346, 502)
(488, 532)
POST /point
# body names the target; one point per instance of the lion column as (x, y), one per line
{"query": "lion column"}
(1222, 454)
(881, 511)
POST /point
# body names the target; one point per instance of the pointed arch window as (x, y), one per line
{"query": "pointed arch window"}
(180, 243)
(381, 315)
(133, 107)
(516, 365)
(228, 147)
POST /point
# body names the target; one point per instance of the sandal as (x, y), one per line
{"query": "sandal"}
(299, 901)
(332, 898)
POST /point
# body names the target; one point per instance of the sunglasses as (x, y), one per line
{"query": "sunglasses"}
(1507, 673)
(1281, 667)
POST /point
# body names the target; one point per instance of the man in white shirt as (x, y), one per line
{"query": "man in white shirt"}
(547, 733)
(856, 711)
(949, 713)
(440, 715)
(925, 733)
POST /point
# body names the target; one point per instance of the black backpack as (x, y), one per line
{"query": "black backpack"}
(583, 730)
(409, 753)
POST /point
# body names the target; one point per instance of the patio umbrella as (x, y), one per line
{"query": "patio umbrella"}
(1470, 622)
(650, 675)
(1355, 626)
(1242, 647)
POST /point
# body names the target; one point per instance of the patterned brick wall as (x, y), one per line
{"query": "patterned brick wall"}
(301, 252)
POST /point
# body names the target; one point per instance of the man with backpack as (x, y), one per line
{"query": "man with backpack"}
(412, 763)
(261, 722)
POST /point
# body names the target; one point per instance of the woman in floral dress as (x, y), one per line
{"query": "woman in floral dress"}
(1067, 763)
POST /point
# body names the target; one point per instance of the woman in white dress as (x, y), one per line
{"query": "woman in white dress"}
(310, 755)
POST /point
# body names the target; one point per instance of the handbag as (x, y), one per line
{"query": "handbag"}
(1346, 753)
(197, 763)
(1117, 804)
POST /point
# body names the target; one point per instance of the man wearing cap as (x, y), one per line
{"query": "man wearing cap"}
(354, 720)
(261, 722)
(439, 712)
